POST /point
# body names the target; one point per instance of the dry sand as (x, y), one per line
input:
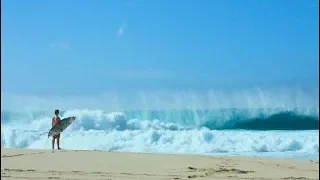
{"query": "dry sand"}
(74, 165)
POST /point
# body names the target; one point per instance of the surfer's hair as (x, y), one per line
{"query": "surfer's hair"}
(56, 111)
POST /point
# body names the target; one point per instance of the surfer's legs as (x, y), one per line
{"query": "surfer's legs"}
(53, 138)
(58, 141)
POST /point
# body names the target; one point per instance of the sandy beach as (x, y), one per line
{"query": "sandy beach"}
(73, 164)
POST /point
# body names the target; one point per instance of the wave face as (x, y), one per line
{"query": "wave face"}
(272, 124)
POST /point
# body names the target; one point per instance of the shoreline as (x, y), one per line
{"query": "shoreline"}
(96, 164)
(268, 156)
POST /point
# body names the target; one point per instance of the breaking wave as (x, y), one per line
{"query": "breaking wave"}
(265, 125)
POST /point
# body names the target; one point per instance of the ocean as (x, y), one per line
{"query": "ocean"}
(263, 123)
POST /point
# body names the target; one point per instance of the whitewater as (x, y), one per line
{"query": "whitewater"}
(274, 123)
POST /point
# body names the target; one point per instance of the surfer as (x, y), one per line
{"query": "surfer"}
(56, 120)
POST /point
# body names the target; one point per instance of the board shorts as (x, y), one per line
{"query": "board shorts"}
(57, 136)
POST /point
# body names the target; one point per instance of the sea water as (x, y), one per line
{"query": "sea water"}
(256, 123)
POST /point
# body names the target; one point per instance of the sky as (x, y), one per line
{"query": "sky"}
(81, 46)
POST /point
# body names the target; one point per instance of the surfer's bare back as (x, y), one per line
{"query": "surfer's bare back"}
(56, 120)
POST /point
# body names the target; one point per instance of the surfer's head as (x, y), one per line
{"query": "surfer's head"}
(56, 112)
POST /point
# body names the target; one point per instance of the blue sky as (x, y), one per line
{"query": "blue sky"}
(83, 46)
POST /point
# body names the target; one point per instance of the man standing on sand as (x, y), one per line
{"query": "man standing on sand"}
(56, 120)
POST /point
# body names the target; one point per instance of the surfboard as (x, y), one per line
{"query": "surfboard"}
(60, 126)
